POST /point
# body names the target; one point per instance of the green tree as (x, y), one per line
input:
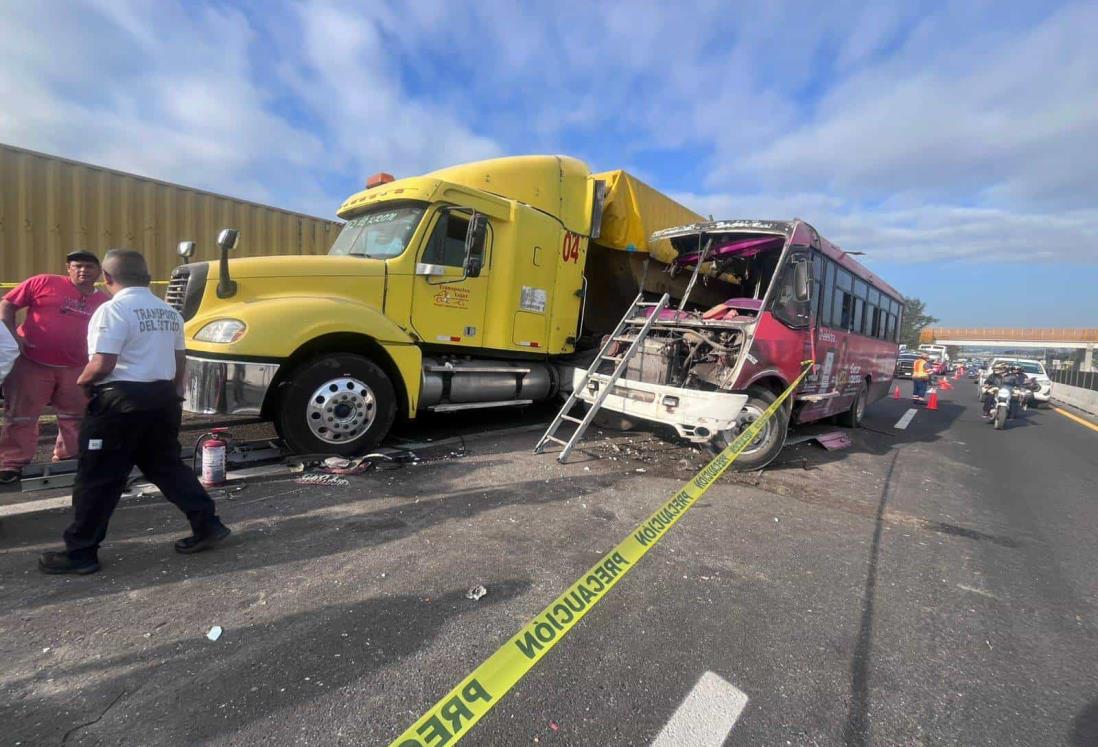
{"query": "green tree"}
(915, 320)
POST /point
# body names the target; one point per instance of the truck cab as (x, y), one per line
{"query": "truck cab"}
(460, 289)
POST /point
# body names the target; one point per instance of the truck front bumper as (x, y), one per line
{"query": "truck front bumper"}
(214, 387)
(696, 415)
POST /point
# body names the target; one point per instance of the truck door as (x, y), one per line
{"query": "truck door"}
(447, 303)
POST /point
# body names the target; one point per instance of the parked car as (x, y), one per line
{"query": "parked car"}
(905, 365)
(1034, 371)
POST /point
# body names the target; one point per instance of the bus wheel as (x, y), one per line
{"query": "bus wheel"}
(336, 404)
(769, 442)
(852, 418)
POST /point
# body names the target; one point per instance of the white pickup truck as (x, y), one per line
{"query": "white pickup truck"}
(1034, 371)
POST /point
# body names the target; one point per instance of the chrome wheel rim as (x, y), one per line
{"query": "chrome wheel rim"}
(341, 410)
(748, 415)
(859, 409)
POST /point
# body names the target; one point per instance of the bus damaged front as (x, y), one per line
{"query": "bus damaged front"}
(698, 363)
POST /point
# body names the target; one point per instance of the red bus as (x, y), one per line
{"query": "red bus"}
(708, 372)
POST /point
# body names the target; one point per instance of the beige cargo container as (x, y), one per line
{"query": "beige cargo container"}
(50, 206)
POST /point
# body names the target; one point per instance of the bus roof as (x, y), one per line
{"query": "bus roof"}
(788, 229)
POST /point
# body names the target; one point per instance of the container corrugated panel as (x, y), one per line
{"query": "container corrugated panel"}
(51, 206)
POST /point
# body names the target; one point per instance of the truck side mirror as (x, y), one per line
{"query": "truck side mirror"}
(800, 279)
(185, 250)
(474, 245)
(226, 241)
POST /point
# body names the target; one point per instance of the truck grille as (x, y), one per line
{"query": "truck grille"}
(185, 289)
(176, 294)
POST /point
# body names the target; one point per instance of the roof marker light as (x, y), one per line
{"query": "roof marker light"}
(378, 179)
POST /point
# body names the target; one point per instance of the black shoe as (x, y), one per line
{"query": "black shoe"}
(62, 562)
(8, 476)
(204, 540)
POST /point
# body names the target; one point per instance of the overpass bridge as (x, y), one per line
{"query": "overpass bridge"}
(1016, 337)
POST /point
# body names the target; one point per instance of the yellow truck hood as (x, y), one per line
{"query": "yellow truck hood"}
(300, 266)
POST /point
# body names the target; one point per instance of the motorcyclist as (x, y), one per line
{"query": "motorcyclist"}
(1003, 374)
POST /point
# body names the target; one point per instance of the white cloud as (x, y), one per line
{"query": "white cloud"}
(187, 93)
(1007, 120)
(954, 131)
(929, 232)
(348, 72)
(156, 89)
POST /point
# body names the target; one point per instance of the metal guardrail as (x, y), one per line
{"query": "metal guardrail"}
(1081, 379)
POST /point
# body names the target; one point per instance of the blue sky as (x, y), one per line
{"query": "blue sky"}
(956, 144)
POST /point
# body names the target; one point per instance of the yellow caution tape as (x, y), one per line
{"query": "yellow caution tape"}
(454, 716)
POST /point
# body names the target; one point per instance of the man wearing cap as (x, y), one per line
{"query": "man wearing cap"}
(53, 345)
(134, 375)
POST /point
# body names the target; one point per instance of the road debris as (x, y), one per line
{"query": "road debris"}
(339, 466)
(476, 593)
(322, 478)
(831, 440)
(215, 633)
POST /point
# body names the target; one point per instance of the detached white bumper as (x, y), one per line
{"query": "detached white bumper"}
(696, 416)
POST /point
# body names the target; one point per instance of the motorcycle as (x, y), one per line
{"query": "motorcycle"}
(1008, 401)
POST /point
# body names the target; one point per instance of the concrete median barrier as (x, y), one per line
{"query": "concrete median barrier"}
(1084, 399)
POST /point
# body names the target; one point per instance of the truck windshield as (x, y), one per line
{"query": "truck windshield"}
(381, 233)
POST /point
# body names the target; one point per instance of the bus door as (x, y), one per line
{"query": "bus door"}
(828, 382)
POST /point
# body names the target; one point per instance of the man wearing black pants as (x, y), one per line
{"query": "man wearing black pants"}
(134, 378)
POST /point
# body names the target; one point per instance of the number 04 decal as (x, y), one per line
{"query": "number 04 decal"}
(570, 251)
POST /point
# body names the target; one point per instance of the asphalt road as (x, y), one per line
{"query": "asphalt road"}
(933, 585)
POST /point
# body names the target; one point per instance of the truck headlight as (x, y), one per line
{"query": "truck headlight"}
(222, 331)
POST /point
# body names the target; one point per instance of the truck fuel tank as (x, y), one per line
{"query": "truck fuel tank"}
(467, 383)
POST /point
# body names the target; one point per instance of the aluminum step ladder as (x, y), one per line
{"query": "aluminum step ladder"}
(633, 329)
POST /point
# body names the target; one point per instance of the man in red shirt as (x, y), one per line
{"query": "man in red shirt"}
(53, 342)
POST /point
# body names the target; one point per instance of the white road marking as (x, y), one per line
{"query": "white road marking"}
(974, 590)
(705, 716)
(905, 421)
(31, 507)
(143, 490)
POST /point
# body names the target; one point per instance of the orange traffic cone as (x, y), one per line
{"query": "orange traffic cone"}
(896, 392)
(946, 386)
(932, 403)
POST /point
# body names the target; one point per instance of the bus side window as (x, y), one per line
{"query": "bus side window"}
(828, 291)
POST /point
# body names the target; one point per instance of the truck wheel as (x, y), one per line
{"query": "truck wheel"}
(337, 404)
(769, 443)
(852, 418)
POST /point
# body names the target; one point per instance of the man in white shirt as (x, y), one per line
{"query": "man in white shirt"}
(135, 379)
(9, 351)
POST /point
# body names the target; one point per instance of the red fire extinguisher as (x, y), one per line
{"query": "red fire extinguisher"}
(214, 446)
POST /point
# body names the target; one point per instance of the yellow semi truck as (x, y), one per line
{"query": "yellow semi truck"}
(473, 286)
